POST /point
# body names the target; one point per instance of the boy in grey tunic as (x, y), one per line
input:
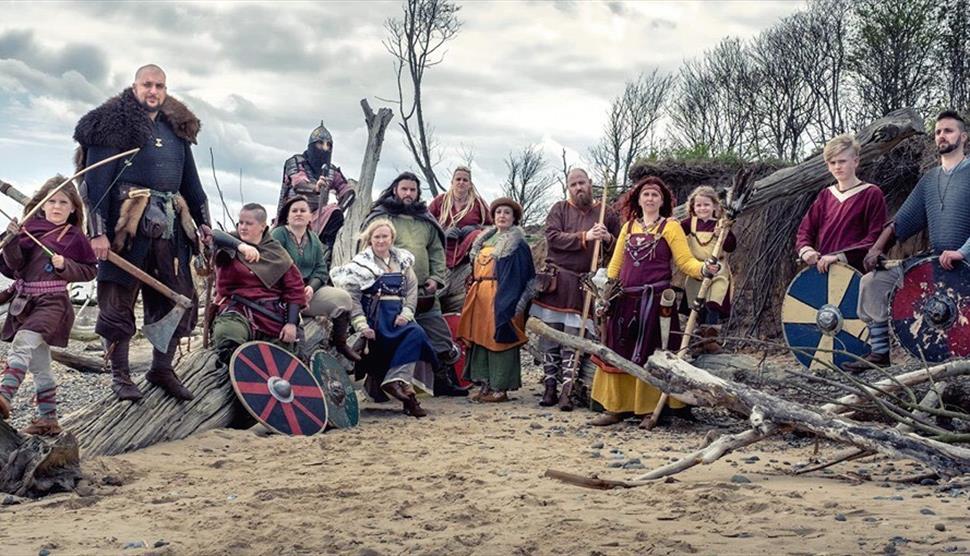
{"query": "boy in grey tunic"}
(940, 204)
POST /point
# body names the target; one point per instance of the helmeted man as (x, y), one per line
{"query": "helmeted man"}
(419, 232)
(572, 227)
(940, 204)
(313, 175)
(149, 209)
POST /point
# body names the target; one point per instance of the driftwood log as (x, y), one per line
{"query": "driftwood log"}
(108, 427)
(32, 466)
(768, 413)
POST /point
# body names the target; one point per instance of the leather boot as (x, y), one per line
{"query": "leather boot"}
(443, 384)
(880, 360)
(43, 426)
(4, 409)
(550, 397)
(413, 408)
(338, 337)
(163, 376)
(121, 384)
(397, 390)
(710, 344)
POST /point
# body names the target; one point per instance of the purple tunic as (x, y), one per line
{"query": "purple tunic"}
(633, 327)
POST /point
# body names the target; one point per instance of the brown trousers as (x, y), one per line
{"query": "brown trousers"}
(116, 302)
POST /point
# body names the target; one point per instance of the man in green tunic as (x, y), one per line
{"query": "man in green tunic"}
(419, 232)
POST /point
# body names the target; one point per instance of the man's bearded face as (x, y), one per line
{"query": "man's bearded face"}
(949, 136)
(407, 192)
(580, 189)
(149, 89)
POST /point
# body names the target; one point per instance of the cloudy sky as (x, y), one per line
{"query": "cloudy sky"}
(260, 76)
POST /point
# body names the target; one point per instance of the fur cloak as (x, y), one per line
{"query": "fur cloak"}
(123, 123)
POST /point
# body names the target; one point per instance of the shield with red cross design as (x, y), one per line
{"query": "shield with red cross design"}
(931, 310)
(278, 389)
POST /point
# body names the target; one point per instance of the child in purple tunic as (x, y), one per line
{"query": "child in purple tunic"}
(40, 313)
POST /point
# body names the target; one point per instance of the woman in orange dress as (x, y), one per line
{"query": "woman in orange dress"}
(493, 317)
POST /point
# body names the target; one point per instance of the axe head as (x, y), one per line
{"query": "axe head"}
(160, 332)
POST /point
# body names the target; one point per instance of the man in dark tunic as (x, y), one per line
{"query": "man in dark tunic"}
(313, 175)
(572, 228)
(149, 209)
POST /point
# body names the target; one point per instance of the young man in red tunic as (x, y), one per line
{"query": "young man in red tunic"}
(259, 291)
(847, 217)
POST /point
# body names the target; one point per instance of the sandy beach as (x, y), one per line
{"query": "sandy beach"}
(469, 480)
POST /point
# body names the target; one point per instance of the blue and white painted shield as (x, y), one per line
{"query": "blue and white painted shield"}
(819, 315)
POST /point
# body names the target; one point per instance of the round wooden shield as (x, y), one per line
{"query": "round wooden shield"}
(453, 319)
(277, 389)
(819, 314)
(931, 311)
(342, 409)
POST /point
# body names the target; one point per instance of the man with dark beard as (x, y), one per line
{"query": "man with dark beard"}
(313, 175)
(940, 204)
(149, 212)
(572, 228)
(419, 233)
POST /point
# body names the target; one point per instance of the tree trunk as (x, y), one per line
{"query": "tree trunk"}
(346, 244)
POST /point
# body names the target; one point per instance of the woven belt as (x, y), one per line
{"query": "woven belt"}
(40, 287)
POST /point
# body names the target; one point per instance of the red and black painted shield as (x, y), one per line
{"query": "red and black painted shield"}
(277, 389)
(931, 311)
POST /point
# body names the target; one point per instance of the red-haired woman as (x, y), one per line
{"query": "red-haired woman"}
(649, 244)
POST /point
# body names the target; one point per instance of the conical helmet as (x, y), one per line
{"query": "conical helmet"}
(321, 133)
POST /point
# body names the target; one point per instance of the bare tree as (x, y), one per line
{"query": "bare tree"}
(466, 154)
(954, 54)
(416, 40)
(714, 106)
(785, 104)
(528, 183)
(825, 28)
(630, 121)
(892, 55)
(564, 178)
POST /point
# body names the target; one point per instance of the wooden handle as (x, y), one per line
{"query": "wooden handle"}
(148, 280)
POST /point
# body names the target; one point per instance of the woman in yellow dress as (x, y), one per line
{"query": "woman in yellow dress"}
(649, 243)
(493, 317)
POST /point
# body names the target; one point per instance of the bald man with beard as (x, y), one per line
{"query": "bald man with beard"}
(572, 228)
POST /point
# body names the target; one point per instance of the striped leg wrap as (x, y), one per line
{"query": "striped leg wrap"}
(12, 377)
(47, 402)
(879, 337)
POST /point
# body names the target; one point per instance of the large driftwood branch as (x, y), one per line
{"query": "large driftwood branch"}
(36, 465)
(345, 245)
(876, 139)
(698, 387)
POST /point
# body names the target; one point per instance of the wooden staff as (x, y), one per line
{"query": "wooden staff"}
(724, 224)
(565, 398)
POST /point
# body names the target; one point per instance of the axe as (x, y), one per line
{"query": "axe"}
(158, 333)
